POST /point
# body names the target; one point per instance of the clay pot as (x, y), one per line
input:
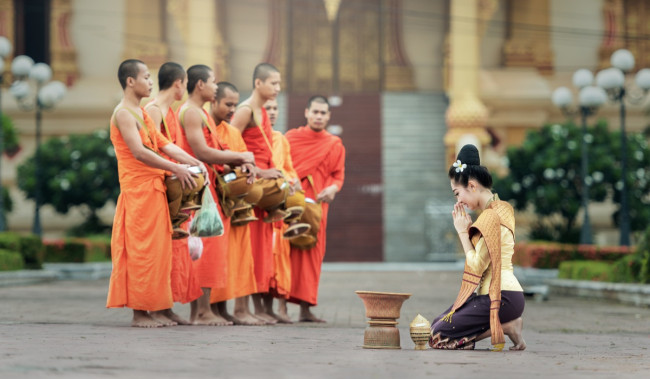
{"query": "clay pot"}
(383, 309)
(382, 305)
(380, 335)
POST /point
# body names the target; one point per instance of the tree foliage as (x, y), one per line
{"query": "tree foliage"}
(76, 170)
(545, 172)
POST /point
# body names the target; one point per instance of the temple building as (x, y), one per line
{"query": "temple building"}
(410, 82)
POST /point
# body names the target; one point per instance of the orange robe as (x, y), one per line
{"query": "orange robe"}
(261, 232)
(185, 285)
(141, 244)
(281, 282)
(212, 268)
(321, 155)
(241, 281)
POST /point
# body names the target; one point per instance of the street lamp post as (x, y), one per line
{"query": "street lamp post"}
(47, 95)
(612, 80)
(5, 50)
(589, 99)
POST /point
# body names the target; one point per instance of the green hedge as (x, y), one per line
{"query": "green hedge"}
(65, 252)
(29, 246)
(78, 250)
(586, 270)
(10, 260)
(550, 254)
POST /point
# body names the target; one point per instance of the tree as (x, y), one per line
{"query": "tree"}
(77, 170)
(10, 147)
(545, 174)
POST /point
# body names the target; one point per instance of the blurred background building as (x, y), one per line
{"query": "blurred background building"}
(411, 80)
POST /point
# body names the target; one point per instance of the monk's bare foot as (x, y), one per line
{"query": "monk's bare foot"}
(163, 317)
(142, 319)
(247, 319)
(268, 319)
(307, 316)
(513, 330)
(311, 318)
(283, 318)
(176, 318)
(209, 318)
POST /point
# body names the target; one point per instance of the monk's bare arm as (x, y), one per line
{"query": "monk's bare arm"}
(193, 124)
(242, 118)
(180, 155)
(155, 114)
(129, 130)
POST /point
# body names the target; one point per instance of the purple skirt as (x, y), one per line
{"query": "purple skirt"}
(473, 317)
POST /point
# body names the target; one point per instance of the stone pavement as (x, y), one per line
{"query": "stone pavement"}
(61, 329)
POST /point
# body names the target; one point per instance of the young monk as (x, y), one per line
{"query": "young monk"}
(200, 139)
(253, 123)
(281, 283)
(141, 244)
(320, 155)
(172, 83)
(241, 278)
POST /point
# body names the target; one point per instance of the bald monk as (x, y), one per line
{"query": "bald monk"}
(241, 277)
(281, 283)
(318, 153)
(172, 83)
(251, 120)
(141, 244)
(200, 139)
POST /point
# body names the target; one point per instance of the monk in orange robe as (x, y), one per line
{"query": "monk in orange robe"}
(141, 244)
(281, 282)
(199, 138)
(320, 155)
(241, 278)
(251, 120)
(172, 83)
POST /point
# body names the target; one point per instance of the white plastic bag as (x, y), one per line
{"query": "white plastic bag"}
(195, 247)
(207, 220)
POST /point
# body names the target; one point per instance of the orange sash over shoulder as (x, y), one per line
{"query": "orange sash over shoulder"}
(241, 280)
(141, 244)
(212, 268)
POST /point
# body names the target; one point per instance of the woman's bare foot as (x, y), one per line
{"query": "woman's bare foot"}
(142, 319)
(513, 330)
(163, 317)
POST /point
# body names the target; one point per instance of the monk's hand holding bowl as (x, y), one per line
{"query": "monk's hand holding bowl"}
(462, 221)
(327, 195)
(251, 172)
(204, 171)
(270, 173)
(186, 177)
(247, 157)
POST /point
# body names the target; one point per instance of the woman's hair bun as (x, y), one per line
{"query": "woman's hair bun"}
(468, 155)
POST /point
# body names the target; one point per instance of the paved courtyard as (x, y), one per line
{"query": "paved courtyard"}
(61, 329)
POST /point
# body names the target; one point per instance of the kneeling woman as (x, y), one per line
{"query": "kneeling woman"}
(497, 306)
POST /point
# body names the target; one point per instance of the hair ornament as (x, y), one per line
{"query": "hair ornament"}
(459, 166)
